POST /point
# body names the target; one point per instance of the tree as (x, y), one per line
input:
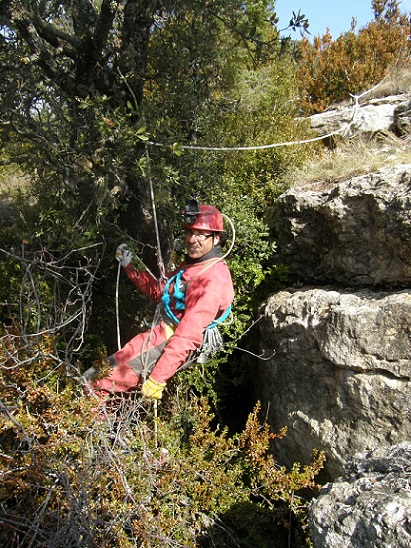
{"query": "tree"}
(68, 67)
(86, 84)
(79, 87)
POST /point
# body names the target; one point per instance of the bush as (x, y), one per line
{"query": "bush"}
(78, 473)
(330, 70)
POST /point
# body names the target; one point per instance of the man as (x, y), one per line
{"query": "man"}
(196, 294)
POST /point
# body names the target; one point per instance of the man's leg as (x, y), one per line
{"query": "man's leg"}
(121, 379)
(135, 361)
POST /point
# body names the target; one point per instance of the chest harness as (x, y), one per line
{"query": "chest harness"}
(212, 340)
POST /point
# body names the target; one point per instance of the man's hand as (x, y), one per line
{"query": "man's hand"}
(124, 255)
(153, 389)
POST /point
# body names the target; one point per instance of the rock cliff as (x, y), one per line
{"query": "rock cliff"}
(370, 505)
(340, 376)
(355, 234)
(341, 333)
(377, 115)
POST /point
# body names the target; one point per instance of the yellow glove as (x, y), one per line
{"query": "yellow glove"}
(153, 389)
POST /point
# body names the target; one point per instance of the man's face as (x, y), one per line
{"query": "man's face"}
(199, 242)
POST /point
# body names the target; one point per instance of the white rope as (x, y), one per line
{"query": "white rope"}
(233, 236)
(256, 147)
(117, 308)
(153, 205)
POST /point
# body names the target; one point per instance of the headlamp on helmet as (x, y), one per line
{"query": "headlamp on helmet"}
(202, 217)
(190, 212)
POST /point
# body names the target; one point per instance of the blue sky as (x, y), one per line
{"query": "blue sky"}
(336, 15)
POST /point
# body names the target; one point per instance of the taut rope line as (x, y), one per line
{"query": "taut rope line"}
(117, 308)
(160, 261)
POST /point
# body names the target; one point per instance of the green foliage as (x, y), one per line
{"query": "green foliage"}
(243, 184)
(208, 78)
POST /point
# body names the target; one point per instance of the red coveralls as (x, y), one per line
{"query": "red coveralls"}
(161, 351)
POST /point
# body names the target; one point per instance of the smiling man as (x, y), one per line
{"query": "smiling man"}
(193, 299)
(199, 242)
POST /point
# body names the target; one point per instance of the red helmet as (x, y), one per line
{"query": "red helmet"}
(202, 217)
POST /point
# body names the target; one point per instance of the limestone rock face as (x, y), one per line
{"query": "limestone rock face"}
(402, 119)
(338, 341)
(340, 377)
(377, 115)
(370, 505)
(356, 234)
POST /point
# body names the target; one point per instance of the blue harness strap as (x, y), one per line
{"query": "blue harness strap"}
(220, 319)
(180, 300)
(178, 294)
